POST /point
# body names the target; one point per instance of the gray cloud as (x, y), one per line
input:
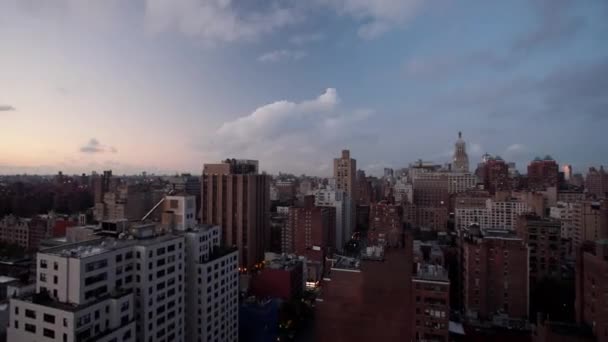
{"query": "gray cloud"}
(93, 146)
(6, 108)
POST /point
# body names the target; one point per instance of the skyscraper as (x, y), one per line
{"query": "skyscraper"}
(345, 172)
(567, 172)
(461, 159)
(237, 198)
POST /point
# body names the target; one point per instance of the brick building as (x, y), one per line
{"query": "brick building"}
(280, 278)
(313, 229)
(494, 173)
(543, 173)
(494, 267)
(385, 223)
(592, 287)
(543, 237)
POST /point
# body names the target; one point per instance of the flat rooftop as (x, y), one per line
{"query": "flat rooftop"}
(431, 273)
(341, 262)
(103, 245)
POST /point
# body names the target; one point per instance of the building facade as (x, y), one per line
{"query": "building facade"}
(236, 198)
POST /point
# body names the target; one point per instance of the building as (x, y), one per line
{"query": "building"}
(431, 292)
(552, 331)
(105, 289)
(212, 287)
(146, 287)
(431, 189)
(489, 215)
(237, 198)
(543, 173)
(459, 182)
(178, 212)
(432, 302)
(494, 174)
(345, 172)
(543, 236)
(592, 287)
(403, 192)
(312, 229)
(385, 224)
(286, 191)
(101, 185)
(567, 170)
(460, 160)
(282, 278)
(495, 273)
(582, 220)
(338, 200)
(259, 320)
(130, 202)
(427, 218)
(570, 218)
(24, 232)
(366, 300)
(596, 182)
(365, 191)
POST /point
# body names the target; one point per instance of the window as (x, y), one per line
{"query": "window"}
(16, 325)
(55, 265)
(48, 333)
(43, 263)
(30, 313)
(49, 318)
(118, 257)
(43, 277)
(30, 328)
(55, 279)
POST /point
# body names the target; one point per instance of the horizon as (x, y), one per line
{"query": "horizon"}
(167, 86)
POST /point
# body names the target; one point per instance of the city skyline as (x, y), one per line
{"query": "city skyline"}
(164, 87)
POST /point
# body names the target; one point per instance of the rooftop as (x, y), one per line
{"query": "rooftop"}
(431, 272)
(102, 245)
(340, 262)
(45, 300)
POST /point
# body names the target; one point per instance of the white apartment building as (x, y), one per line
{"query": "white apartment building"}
(212, 287)
(328, 197)
(106, 290)
(494, 215)
(570, 216)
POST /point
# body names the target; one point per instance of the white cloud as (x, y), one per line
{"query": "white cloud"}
(282, 55)
(291, 136)
(377, 16)
(217, 20)
(515, 148)
(303, 39)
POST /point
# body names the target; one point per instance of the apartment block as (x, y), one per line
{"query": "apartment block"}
(494, 267)
(491, 215)
(592, 287)
(212, 287)
(543, 237)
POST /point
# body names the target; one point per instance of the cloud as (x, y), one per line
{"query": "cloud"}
(515, 148)
(557, 22)
(93, 146)
(377, 16)
(218, 20)
(6, 108)
(303, 39)
(292, 136)
(282, 55)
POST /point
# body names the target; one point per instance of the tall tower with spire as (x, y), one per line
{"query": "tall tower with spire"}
(460, 162)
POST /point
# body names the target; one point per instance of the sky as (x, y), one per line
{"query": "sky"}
(165, 86)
